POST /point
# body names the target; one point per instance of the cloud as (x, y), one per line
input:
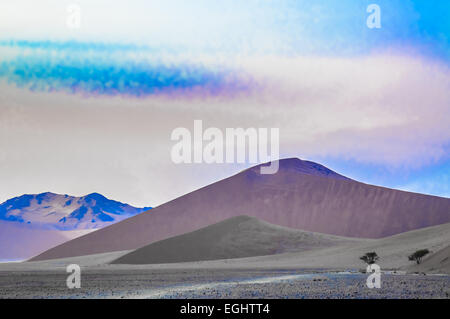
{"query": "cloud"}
(108, 69)
(386, 109)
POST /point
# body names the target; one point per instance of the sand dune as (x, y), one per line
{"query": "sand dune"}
(275, 246)
(237, 237)
(302, 195)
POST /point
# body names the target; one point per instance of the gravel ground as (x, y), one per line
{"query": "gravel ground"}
(218, 283)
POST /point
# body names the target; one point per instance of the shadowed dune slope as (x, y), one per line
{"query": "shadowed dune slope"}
(302, 195)
(237, 237)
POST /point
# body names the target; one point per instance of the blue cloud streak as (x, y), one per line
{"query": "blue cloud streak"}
(107, 69)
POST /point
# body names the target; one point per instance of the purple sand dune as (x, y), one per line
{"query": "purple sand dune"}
(302, 195)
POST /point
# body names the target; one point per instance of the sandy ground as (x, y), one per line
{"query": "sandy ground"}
(218, 283)
(320, 269)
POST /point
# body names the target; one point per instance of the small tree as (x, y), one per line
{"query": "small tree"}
(370, 258)
(418, 255)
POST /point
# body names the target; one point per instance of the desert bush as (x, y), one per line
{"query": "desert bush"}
(418, 255)
(370, 258)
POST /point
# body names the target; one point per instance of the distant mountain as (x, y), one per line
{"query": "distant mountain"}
(64, 212)
(302, 195)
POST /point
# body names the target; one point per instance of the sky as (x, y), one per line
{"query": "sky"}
(91, 108)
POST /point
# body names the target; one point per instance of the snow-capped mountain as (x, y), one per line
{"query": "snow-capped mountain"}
(64, 212)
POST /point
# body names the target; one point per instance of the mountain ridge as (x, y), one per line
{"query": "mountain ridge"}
(64, 212)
